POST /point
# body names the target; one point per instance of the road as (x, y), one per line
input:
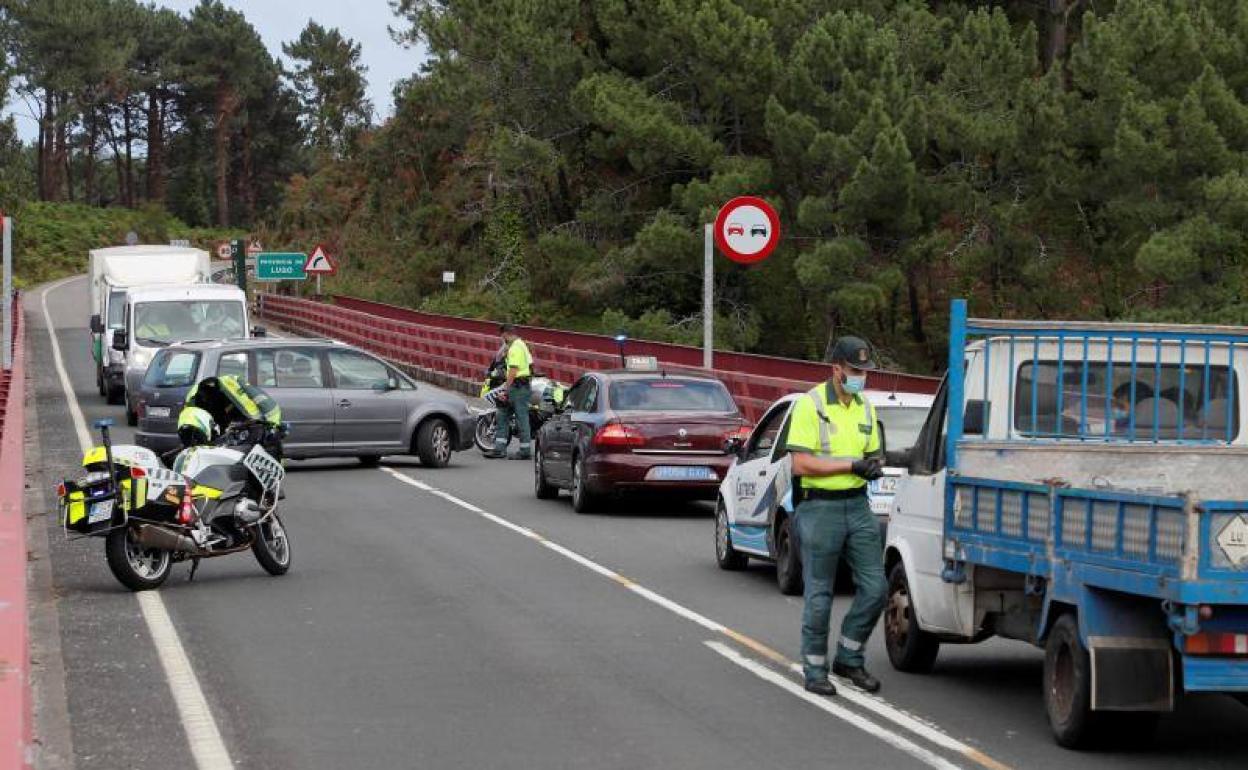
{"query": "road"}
(446, 618)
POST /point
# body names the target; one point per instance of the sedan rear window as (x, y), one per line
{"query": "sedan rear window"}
(172, 369)
(669, 395)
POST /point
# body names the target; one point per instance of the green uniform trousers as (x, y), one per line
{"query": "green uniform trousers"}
(825, 530)
(518, 397)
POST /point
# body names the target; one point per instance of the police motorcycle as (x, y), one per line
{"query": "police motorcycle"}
(547, 395)
(219, 497)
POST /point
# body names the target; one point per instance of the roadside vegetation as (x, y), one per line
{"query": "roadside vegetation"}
(1059, 159)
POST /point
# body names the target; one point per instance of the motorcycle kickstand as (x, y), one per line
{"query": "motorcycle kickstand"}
(194, 567)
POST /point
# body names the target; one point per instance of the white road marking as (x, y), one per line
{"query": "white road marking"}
(206, 744)
(872, 703)
(829, 705)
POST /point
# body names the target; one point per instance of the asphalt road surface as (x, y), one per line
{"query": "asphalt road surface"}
(447, 618)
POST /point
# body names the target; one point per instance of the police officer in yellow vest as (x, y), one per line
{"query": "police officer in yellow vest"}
(519, 367)
(834, 441)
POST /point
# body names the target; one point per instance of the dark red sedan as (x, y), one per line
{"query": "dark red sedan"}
(630, 431)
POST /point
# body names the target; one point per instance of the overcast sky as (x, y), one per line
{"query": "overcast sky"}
(281, 21)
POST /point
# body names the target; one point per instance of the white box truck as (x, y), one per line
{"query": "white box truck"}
(154, 317)
(114, 270)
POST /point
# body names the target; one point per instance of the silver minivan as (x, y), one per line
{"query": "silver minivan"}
(338, 400)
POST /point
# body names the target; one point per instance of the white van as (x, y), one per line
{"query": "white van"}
(111, 272)
(157, 317)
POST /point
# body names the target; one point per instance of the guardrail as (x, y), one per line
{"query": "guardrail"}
(459, 356)
(15, 702)
(726, 361)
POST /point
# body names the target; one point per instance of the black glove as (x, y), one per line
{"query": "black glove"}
(868, 468)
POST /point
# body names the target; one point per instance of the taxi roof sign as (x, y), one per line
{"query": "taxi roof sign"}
(641, 363)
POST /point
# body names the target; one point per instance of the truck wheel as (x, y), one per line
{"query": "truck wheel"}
(910, 648)
(726, 556)
(433, 443)
(788, 559)
(1068, 685)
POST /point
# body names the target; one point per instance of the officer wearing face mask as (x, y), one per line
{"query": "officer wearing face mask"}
(834, 440)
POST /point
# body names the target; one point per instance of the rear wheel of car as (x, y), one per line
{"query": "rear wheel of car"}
(910, 648)
(726, 556)
(788, 559)
(99, 380)
(583, 500)
(542, 488)
(113, 394)
(370, 461)
(132, 417)
(433, 442)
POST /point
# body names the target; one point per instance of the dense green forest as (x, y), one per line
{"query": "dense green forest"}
(1046, 158)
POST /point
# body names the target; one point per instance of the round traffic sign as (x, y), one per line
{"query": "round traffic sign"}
(747, 229)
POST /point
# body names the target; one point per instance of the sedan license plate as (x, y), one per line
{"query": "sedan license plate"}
(158, 412)
(101, 511)
(681, 473)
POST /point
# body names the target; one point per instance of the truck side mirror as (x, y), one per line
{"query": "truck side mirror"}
(259, 331)
(975, 418)
(735, 446)
(121, 339)
(97, 325)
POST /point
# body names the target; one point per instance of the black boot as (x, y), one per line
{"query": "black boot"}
(821, 687)
(859, 676)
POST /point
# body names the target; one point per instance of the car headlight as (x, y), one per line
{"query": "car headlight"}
(140, 358)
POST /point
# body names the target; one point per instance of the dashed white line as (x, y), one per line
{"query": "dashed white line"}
(207, 747)
(872, 703)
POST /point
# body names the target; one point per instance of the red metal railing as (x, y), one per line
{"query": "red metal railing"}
(463, 354)
(773, 367)
(15, 700)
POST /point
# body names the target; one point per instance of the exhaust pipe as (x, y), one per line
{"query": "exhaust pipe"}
(158, 537)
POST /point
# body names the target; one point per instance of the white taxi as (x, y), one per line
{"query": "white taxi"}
(753, 516)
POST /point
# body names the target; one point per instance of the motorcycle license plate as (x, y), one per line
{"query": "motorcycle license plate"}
(101, 511)
(681, 473)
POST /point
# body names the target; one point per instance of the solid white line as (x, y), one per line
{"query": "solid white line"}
(856, 720)
(75, 411)
(207, 747)
(873, 703)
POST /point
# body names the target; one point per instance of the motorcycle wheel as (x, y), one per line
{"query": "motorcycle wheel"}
(271, 545)
(136, 566)
(487, 427)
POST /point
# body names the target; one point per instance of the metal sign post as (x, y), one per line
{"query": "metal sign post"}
(708, 297)
(8, 292)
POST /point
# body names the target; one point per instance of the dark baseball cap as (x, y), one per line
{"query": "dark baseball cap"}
(853, 351)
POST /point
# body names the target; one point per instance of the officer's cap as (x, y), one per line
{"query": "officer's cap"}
(853, 351)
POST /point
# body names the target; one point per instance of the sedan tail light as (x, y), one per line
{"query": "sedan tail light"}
(742, 434)
(615, 434)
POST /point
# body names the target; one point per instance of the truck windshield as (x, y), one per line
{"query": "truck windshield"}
(158, 323)
(901, 424)
(116, 310)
